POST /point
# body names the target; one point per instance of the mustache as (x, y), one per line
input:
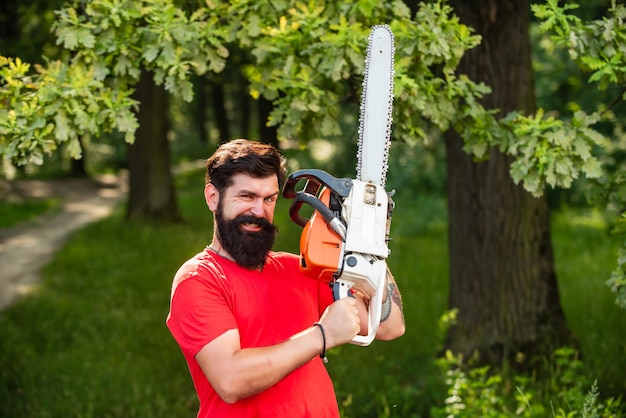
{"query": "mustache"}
(252, 220)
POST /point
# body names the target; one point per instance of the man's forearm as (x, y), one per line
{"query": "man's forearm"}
(237, 373)
(252, 370)
(392, 316)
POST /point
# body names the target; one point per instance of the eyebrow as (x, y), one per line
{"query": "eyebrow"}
(250, 192)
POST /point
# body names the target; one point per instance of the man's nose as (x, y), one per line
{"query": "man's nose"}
(256, 209)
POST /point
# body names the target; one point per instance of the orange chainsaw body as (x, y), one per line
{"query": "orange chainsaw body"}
(320, 247)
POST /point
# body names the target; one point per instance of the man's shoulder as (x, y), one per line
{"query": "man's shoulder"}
(283, 259)
(201, 266)
(283, 255)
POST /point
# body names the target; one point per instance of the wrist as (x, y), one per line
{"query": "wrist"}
(323, 332)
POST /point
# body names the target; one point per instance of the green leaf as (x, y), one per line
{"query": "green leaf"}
(62, 131)
(151, 52)
(581, 148)
(74, 148)
(68, 37)
(592, 168)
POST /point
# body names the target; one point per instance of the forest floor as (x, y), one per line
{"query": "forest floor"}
(27, 247)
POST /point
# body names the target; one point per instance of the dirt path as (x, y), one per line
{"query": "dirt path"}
(27, 247)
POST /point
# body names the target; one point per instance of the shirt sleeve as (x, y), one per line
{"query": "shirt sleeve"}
(200, 311)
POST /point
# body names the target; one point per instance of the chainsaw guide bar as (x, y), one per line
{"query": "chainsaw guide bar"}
(376, 108)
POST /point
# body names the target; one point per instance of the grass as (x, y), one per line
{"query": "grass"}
(13, 213)
(585, 255)
(92, 341)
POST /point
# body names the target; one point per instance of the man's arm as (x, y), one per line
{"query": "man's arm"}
(237, 373)
(392, 317)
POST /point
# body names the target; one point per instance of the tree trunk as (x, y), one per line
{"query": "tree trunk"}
(268, 134)
(502, 277)
(219, 109)
(242, 96)
(152, 193)
(200, 105)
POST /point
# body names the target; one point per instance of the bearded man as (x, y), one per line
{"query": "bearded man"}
(252, 327)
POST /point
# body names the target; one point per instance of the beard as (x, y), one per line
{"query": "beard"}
(248, 249)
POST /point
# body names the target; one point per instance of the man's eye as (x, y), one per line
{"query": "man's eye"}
(270, 199)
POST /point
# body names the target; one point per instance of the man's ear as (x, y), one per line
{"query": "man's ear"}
(211, 196)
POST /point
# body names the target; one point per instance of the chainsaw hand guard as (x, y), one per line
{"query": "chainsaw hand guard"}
(316, 180)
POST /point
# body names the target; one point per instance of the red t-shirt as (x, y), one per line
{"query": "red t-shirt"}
(211, 295)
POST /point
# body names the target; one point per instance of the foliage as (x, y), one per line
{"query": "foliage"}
(601, 55)
(110, 42)
(599, 48)
(54, 106)
(551, 150)
(480, 391)
(290, 43)
(119, 39)
(308, 89)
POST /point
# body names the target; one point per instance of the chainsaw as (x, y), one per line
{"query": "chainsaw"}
(344, 242)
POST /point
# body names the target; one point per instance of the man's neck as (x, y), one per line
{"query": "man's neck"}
(217, 248)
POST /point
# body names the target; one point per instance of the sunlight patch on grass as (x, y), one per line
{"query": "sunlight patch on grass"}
(591, 218)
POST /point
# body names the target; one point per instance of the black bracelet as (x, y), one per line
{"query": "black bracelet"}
(323, 355)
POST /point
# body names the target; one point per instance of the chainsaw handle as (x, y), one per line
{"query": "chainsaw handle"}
(331, 219)
(315, 179)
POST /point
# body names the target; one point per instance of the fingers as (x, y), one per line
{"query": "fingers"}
(341, 322)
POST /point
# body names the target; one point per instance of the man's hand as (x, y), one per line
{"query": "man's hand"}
(341, 322)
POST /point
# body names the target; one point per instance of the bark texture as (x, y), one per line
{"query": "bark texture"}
(502, 277)
(152, 194)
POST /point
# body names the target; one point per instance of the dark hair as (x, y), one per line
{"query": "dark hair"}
(244, 156)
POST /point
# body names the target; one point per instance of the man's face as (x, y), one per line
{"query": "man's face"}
(244, 216)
